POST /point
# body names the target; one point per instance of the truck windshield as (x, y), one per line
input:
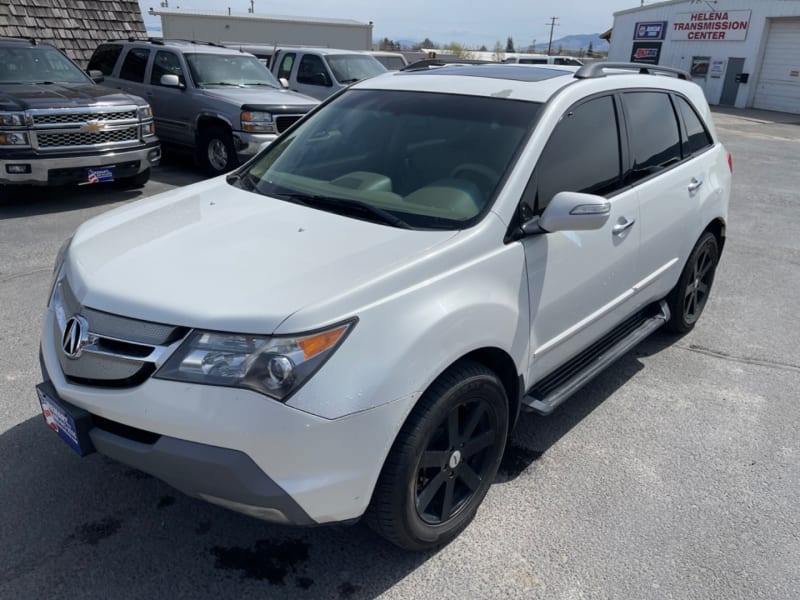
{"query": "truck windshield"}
(238, 70)
(38, 64)
(348, 68)
(411, 159)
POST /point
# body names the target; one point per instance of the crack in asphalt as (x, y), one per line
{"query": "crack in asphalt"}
(24, 273)
(761, 362)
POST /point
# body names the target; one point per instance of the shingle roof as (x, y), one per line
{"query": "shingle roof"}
(76, 26)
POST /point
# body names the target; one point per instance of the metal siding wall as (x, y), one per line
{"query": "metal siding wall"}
(263, 31)
(679, 54)
(777, 89)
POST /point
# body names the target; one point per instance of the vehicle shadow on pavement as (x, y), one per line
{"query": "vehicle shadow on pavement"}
(31, 201)
(535, 434)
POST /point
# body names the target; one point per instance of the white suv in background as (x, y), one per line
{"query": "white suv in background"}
(351, 323)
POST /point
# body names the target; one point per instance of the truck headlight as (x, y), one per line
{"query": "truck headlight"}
(58, 272)
(13, 138)
(257, 122)
(12, 119)
(145, 112)
(275, 366)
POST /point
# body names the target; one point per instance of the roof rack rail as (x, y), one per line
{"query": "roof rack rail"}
(597, 69)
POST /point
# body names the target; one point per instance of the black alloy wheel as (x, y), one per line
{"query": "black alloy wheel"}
(689, 297)
(443, 460)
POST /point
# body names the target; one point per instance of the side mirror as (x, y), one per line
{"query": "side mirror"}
(284, 83)
(97, 76)
(573, 211)
(170, 80)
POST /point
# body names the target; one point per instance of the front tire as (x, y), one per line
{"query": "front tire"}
(217, 152)
(443, 460)
(689, 296)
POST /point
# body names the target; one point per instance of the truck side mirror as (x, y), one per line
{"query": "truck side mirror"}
(97, 76)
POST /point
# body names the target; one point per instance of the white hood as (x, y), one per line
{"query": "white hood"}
(217, 257)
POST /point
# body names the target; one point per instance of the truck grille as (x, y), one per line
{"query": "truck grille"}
(87, 138)
(285, 121)
(61, 118)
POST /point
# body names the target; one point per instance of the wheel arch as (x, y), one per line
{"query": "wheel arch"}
(501, 363)
(717, 227)
(206, 120)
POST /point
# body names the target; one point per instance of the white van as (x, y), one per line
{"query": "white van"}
(543, 59)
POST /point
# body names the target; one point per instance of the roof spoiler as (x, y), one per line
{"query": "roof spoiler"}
(597, 69)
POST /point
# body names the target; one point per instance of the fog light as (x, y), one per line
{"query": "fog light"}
(18, 169)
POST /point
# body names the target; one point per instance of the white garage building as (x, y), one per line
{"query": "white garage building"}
(744, 53)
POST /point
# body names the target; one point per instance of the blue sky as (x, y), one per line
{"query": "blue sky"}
(473, 23)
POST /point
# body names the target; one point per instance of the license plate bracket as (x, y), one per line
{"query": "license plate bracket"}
(72, 424)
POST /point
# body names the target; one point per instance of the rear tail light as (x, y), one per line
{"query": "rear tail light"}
(730, 162)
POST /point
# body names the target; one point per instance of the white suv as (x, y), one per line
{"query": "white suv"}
(350, 323)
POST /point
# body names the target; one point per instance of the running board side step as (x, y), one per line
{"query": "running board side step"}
(556, 387)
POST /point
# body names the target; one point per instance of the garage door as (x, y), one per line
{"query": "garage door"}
(779, 84)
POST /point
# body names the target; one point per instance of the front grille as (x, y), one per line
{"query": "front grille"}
(60, 118)
(284, 122)
(87, 138)
(121, 350)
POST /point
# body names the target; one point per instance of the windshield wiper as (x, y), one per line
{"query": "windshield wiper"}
(345, 206)
(272, 85)
(244, 181)
(346, 81)
(205, 83)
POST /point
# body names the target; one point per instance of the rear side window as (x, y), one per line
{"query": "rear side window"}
(653, 131)
(582, 155)
(135, 64)
(104, 58)
(697, 136)
(285, 69)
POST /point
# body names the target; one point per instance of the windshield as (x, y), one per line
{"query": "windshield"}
(392, 63)
(237, 70)
(427, 160)
(27, 64)
(348, 68)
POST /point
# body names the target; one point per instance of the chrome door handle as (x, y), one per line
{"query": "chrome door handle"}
(695, 185)
(622, 225)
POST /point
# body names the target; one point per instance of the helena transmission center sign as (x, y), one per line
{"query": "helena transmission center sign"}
(726, 26)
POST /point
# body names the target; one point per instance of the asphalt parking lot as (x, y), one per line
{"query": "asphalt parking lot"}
(675, 474)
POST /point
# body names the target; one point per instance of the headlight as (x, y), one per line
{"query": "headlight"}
(257, 121)
(148, 129)
(145, 112)
(12, 119)
(57, 271)
(274, 366)
(13, 138)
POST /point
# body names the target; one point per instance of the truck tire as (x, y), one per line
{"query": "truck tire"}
(217, 153)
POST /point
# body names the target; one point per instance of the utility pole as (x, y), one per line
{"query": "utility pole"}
(552, 24)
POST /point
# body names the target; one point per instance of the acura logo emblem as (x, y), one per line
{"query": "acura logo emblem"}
(75, 337)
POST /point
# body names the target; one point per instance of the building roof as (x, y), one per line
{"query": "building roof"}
(75, 27)
(182, 12)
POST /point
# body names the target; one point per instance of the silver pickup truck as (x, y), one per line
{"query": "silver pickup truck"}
(221, 103)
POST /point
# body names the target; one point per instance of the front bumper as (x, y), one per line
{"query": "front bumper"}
(249, 144)
(61, 169)
(237, 448)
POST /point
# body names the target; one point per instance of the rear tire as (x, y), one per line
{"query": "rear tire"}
(689, 296)
(217, 153)
(443, 460)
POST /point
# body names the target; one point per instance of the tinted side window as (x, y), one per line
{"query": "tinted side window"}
(135, 63)
(166, 63)
(285, 69)
(582, 155)
(312, 71)
(104, 58)
(697, 135)
(653, 132)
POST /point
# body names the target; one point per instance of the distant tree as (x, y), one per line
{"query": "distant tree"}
(483, 49)
(458, 49)
(590, 50)
(560, 49)
(426, 43)
(387, 44)
(498, 54)
(510, 45)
